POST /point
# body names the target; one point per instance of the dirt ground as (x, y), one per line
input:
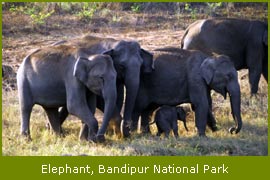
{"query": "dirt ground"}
(16, 48)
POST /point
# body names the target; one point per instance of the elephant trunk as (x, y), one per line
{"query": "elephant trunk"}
(109, 95)
(132, 80)
(235, 100)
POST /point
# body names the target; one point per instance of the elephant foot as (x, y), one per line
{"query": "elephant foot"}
(214, 128)
(145, 130)
(92, 139)
(125, 128)
(126, 132)
(202, 135)
(26, 136)
(100, 138)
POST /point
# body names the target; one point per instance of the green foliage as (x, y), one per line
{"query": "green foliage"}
(87, 12)
(136, 7)
(37, 13)
(193, 11)
(40, 18)
(212, 7)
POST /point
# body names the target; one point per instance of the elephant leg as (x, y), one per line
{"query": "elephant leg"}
(254, 64)
(82, 111)
(145, 119)
(211, 121)
(91, 101)
(62, 114)
(159, 131)
(145, 129)
(201, 117)
(167, 133)
(26, 106)
(53, 117)
(175, 129)
(200, 121)
(26, 110)
(254, 79)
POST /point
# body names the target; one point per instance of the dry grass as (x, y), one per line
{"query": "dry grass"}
(252, 140)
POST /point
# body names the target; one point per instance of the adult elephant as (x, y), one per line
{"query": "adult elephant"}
(54, 77)
(244, 41)
(129, 60)
(183, 76)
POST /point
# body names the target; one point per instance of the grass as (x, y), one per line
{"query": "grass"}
(252, 140)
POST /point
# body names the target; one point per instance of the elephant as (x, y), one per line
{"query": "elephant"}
(244, 41)
(166, 119)
(56, 77)
(129, 60)
(188, 76)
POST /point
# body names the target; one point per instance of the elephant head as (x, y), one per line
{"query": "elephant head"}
(220, 75)
(97, 73)
(181, 115)
(130, 60)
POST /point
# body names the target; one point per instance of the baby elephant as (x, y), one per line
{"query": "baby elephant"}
(166, 119)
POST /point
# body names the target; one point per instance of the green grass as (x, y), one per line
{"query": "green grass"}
(252, 140)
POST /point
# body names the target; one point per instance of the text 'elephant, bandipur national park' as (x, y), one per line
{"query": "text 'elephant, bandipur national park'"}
(129, 60)
(244, 41)
(56, 76)
(183, 76)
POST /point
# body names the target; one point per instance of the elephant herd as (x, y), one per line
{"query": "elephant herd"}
(79, 75)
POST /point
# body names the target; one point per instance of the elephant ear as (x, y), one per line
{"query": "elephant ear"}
(148, 63)
(207, 70)
(265, 37)
(80, 69)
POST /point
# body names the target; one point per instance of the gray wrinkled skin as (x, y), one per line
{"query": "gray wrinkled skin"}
(244, 41)
(129, 60)
(183, 76)
(55, 77)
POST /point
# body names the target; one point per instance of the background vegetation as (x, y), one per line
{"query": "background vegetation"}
(27, 26)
